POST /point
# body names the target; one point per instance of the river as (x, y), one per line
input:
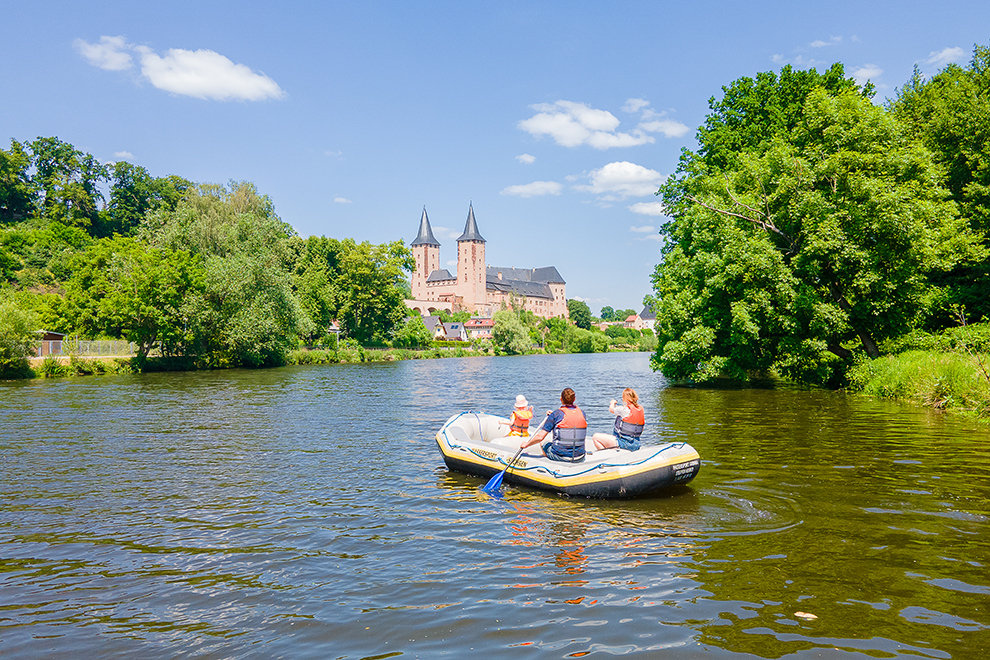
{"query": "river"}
(305, 512)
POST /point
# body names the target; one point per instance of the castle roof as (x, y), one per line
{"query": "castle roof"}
(471, 228)
(546, 275)
(519, 287)
(648, 314)
(425, 232)
(440, 275)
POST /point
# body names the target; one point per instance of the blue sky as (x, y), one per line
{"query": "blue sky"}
(557, 120)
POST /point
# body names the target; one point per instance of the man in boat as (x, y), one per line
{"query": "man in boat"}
(569, 428)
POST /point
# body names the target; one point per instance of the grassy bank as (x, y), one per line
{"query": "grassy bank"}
(946, 371)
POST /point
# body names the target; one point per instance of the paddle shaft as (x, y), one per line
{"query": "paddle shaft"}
(496, 481)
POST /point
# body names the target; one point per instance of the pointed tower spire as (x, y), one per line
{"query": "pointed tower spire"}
(471, 228)
(425, 232)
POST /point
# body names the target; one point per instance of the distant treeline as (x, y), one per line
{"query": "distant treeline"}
(207, 275)
(812, 229)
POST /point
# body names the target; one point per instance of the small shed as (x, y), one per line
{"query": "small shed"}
(51, 342)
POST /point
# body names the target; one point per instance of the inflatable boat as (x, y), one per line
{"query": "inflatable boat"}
(476, 443)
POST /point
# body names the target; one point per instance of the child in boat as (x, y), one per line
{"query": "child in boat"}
(519, 417)
(628, 423)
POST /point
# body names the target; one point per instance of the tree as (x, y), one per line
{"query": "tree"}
(820, 236)
(17, 335)
(752, 112)
(123, 288)
(607, 314)
(367, 294)
(950, 114)
(248, 313)
(413, 333)
(68, 180)
(509, 334)
(316, 267)
(133, 193)
(17, 194)
(580, 313)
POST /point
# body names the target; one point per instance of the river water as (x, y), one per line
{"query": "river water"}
(305, 512)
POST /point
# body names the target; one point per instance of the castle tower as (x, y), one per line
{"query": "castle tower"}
(471, 265)
(426, 251)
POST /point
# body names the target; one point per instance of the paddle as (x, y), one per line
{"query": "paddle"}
(494, 485)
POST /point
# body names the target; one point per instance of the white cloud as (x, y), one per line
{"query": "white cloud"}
(337, 154)
(651, 237)
(205, 74)
(584, 300)
(452, 262)
(642, 230)
(668, 127)
(123, 155)
(526, 158)
(446, 232)
(574, 124)
(831, 42)
(648, 208)
(342, 200)
(534, 189)
(110, 54)
(867, 72)
(622, 179)
(945, 56)
(635, 105)
(202, 74)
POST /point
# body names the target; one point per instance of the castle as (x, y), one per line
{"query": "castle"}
(478, 287)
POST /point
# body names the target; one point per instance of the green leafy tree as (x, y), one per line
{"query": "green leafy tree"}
(509, 334)
(123, 288)
(314, 272)
(248, 313)
(754, 111)
(580, 313)
(68, 181)
(367, 294)
(950, 114)
(18, 340)
(17, 193)
(607, 314)
(820, 236)
(413, 333)
(133, 193)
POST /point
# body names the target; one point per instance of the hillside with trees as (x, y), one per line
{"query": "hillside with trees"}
(205, 275)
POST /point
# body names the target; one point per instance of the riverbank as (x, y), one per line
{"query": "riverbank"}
(947, 371)
(65, 366)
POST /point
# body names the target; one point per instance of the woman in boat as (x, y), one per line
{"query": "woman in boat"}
(629, 423)
(569, 427)
(519, 417)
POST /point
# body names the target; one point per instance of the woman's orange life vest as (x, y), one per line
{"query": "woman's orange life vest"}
(520, 421)
(632, 424)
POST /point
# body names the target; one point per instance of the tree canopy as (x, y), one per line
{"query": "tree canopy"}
(798, 231)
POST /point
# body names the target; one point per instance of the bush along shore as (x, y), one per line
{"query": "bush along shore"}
(945, 371)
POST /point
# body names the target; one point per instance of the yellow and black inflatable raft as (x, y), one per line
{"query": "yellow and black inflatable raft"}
(475, 443)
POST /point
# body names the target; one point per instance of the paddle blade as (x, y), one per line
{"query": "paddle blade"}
(494, 484)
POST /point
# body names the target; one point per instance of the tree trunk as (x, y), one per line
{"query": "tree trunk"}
(869, 344)
(843, 353)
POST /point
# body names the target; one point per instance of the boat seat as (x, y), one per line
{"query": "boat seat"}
(457, 433)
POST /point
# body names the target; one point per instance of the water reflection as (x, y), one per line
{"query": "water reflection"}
(306, 511)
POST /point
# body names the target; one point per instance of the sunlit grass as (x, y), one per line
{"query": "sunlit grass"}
(945, 381)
